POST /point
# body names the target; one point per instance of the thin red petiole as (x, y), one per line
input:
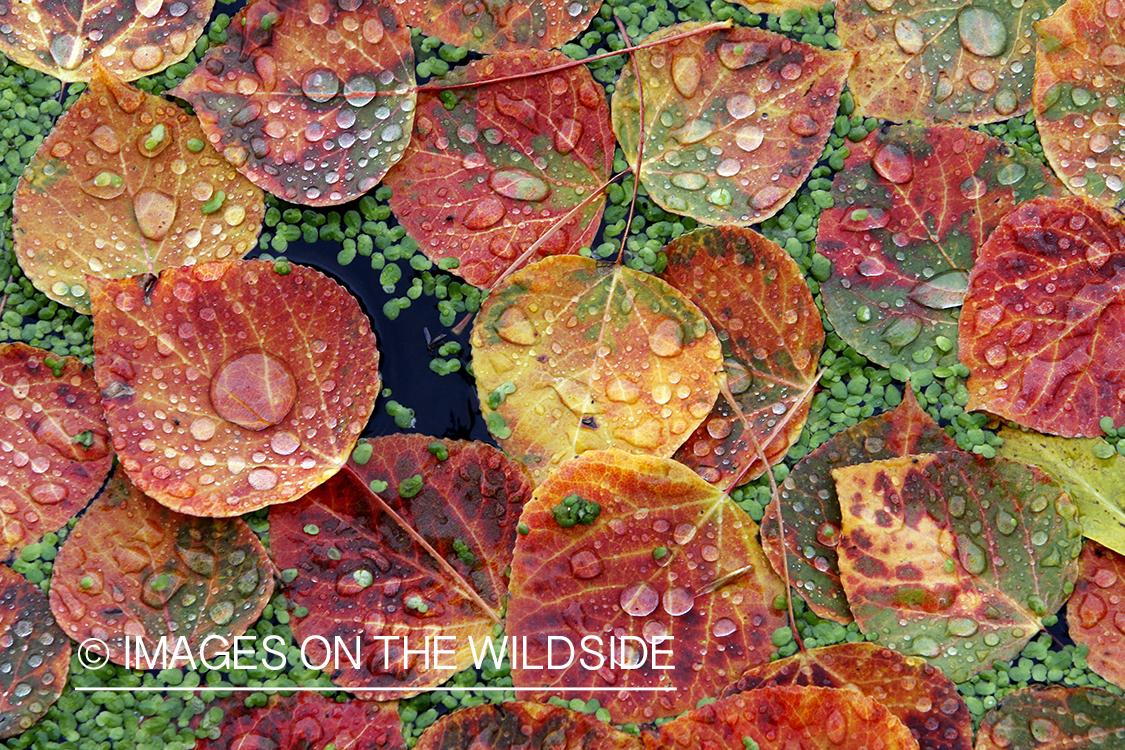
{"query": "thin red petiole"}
(640, 141)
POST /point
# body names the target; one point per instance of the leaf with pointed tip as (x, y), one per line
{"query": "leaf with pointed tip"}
(54, 440)
(1043, 321)
(667, 563)
(160, 575)
(716, 147)
(812, 510)
(406, 545)
(912, 206)
(955, 64)
(970, 554)
(466, 187)
(1095, 616)
(523, 725)
(127, 184)
(500, 25)
(1054, 718)
(572, 355)
(36, 654)
(923, 698)
(232, 385)
(771, 333)
(313, 102)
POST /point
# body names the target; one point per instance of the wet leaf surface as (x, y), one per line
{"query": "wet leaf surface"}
(310, 101)
(406, 545)
(734, 120)
(1095, 616)
(953, 557)
(812, 509)
(1041, 329)
(668, 563)
(54, 443)
(956, 64)
(502, 25)
(754, 295)
(36, 654)
(919, 695)
(134, 571)
(523, 725)
(229, 386)
(912, 207)
(572, 355)
(125, 184)
(1054, 718)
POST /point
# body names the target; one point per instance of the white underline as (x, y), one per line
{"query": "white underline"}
(368, 689)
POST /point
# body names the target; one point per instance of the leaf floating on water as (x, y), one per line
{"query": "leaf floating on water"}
(311, 101)
(1095, 616)
(519, 725)
(466, 188)
(119, 189)
(500, 25)
(230, 386)
(1044, 718)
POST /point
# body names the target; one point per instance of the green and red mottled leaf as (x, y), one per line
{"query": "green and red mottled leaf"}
(912, 207)
(134, 572)
(668, 563)
(811, 509)
(232, 385)
(500, 25)
(734, 120)
(1079, 94)
(573, 355)
(408, 545)
(778, 718)
(36, 654)
(311, 100)
(499, 172)
(771, 333)
(72, 40)
(923, 698)
(1054, 718)
(125, 184)
(956, 64)
(523, 725)
(953, 557)
(1042, 325)
(54, 452)
(1095, 616)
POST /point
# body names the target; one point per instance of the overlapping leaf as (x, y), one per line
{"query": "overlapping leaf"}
(572, 355)
(1042, 326)
(312, 101)
(665, 562)
(1095, 616)
(920, 696)
(1080, 96)
(912, 206)
(412, 544)
(54, 453)
(229, 386)
(35, 655)
(955, 558)
(519, 725)
(501, 25)
(126, 184)
(960, 63)
(134, 572)
(771, 333)
(734, 120)
(1053, 718)
(811, 509)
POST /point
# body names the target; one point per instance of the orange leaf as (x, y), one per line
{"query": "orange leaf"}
(501, 25)
(522, 725)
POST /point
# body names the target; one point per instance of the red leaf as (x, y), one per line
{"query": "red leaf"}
(501, 25)
(522, 725)
(1095, 615)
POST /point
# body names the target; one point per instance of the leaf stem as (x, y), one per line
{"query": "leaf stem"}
(640, 141)
(4, 299)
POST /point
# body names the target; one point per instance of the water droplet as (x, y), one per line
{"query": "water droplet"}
(254, 390)
(585, 564)
(962, 626)
(678, 601)
(221, 613)
(106, 139)
(1092, 610)
(1010, 174)
(803, 125)
(320, 85)
(893, 163)
(902, 330)
(766, 197)
(982, 80)
(973, 187)
(1043, 729)
(48, 493)
(202, 429)
(568, 134)
(871, 268)
(147, 57)
(514, 327)
(639, 599)
(67, 51)
(909, 36)
(518, 185)
(689, 180)
(942, 292)
(723, 627)
(728, 168)
(360, 90)
(1003, 730)
(148, 8)
(749, 138)
(982, 32)
(836, 728)
(685, 75)
(1105, 577)
(693, 131)
(880, 5)
(973, 558)
(741, 106)
(487, 212)
(155, 212)
(262, 479)
(667, 339)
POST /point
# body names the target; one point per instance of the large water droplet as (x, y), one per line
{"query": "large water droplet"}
(155, 212)
(909, 36)
(749, 138)
(518, 184)
(689, 180)
(1010, 174)
(722, 627)
(148, 8)
(1092, 610)
(962, 626)
(836, 728)
(996, 355)
(48, 493)
(67, 51)
(685, 75)
(514, 327)
(639, 599)
(320, 85)
(1043, 729)
(942, 292)
(973, 187)
(487, 212)
(893, 163)
(973, 558)
(871, 268)
(221, 613)
(254, 390)
(902, 331)
(678, 601)
(667, 339)
(585, 564)
(982, 31)
(360, 90)
(147, 57)
(741, 106)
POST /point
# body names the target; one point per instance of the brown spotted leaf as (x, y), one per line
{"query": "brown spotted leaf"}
(466, 189)
(923, 698)
(36, 654)
(811, 509)
(734, 120)
(1043, 325)
(953, 557)
(312, 101)
(412, 544)
(1054, 718)
(134, 572)
(941, 63)
(54, 453)
(126, 184)
(523, 725)
(771, 333)
(500, 25)
(642, 549)
(230, 386)
(1095, 615)
(572, 355)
